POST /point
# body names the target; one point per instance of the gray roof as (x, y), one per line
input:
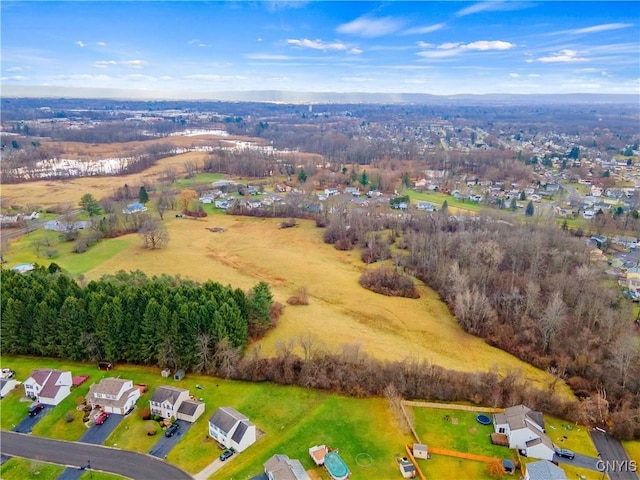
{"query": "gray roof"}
(240, 431)
(189, 407)
(167, 393)
(226, 417)
(545, 470)
(109, 386)
(281, 467)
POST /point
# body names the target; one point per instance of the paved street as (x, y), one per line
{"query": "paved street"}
(121, 462)
(613, 454)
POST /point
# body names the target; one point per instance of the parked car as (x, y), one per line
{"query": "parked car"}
(100, 419)
(226, 454)
(34, 408)
(7, 374)
(563, 452)
(170, 432)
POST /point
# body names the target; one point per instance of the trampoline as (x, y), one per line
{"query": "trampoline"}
(483, 419)
(336, 466)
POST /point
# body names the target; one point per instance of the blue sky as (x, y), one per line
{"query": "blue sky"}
(439, 48)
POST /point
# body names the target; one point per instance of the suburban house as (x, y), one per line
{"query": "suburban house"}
(7, 385)
(281, 467)
(175, 402)
(232, 429)
(113, 395)
(544, 470)
(48, 386)
(525, 430)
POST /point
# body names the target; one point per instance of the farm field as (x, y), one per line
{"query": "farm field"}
(340, 310)
(292, 419)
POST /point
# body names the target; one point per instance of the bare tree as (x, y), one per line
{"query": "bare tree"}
(626, 356)
(552, 320)
(154, 233)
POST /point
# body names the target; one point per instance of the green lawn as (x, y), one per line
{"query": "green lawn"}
(438, 199)
(199, 179)
(23, 250)
(569, 435)
(19, 468)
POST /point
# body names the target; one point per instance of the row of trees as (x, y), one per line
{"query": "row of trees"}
(128, 317)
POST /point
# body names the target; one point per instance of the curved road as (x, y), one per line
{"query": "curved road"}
(121, 462)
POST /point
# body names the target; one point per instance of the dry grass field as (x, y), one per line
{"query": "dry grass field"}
(250, 250)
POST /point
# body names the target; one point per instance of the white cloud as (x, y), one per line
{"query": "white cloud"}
(137, 64)
(14, 69)
(317, 44)
(371, 27)
(563, 56)
(605, 27)
(355, 51)
(101, 44)
(266, 56)
(493, 6)
(450, 49)
(425, 44)
(514, 75)
(14, 77)
(81, 44)
(489, 45)
(424, 30)
(213, 77)
(534, 75)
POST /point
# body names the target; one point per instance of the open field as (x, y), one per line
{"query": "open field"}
(252, 250)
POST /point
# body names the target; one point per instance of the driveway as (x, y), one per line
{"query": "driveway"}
(26, 425)
(97, 434)
(613, 457)
(164, 444)
(121, 462)
(579, 460)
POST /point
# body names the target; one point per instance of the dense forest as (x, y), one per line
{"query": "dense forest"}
(128, 317)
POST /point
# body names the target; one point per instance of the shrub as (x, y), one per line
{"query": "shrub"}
(300, 297)
(69, 417)
(344, 244)
(289, 223)
(145, 413)
(322, 221)
(389, 281)
(151, 432)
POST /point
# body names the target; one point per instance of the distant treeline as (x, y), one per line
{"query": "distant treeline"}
(128, 317)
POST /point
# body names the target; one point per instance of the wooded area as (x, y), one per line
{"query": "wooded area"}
(127, 317)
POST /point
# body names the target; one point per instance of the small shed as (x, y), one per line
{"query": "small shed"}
(165, 373)
(420, 451)
(179, 375)
(407, 469)
(509, 466)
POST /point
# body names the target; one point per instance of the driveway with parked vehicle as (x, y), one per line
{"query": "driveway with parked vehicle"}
(26, 425)
(165, 443)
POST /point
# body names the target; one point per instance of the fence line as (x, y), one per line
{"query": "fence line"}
(451, 406)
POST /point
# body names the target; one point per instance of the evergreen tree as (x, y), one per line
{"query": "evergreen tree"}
(143, 196)
(444, 207)
(302, 176)
(530, 210)
(90, 204)
(364, 179)
(259, 302)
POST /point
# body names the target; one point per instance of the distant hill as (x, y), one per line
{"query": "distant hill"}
(278, 96)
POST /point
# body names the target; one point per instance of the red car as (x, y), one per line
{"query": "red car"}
(101, 418)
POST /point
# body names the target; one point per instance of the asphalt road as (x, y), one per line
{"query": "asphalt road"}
(26, 425)
(164, 444)
(613, 456)
(95, 435)
(121, 462)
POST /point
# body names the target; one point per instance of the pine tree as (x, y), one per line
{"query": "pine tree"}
(143, 196)
(530, 210)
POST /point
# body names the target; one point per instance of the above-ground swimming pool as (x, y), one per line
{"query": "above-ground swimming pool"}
(484, 419)
(336, 466)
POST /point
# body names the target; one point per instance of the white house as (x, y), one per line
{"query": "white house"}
(48, 386)
(232, 429)
(544, 470)
(281, 467)
(525, 430)
(114, 395)
(175, 402)
(7, 385)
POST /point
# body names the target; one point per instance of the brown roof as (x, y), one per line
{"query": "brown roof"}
(50, 389)
(109, 386)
